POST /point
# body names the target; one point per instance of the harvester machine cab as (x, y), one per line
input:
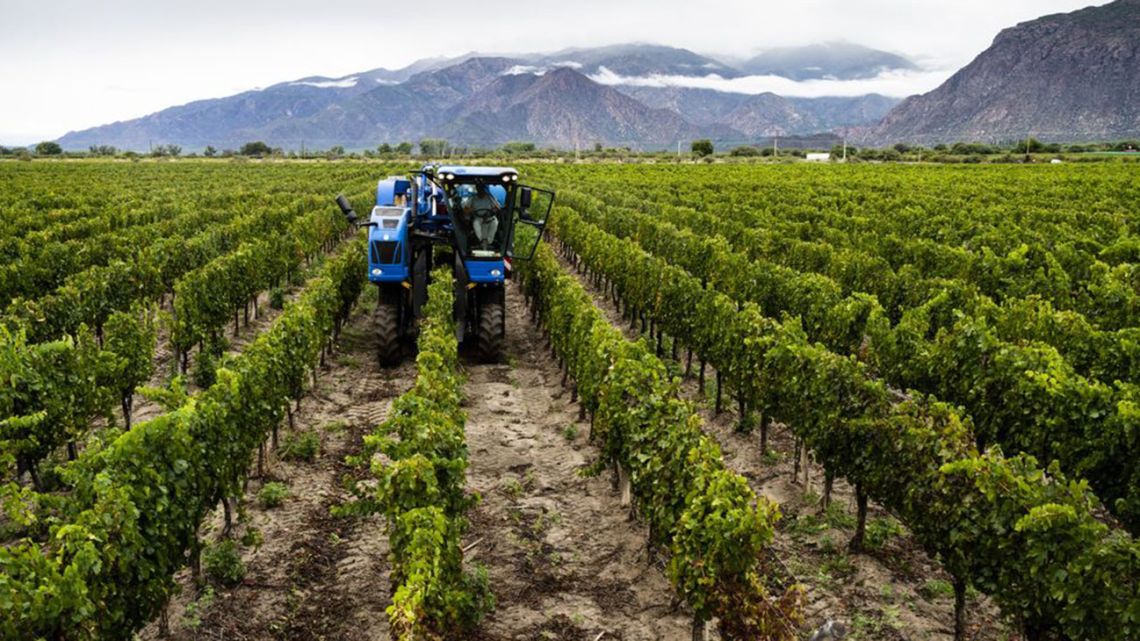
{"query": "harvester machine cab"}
(485, 205)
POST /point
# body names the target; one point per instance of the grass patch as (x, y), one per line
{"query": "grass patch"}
(192, 616)
(300, 446)
(811, 498)
(839, 566)
(349, 361)
(805, 525)
(837, 516)
(880, 531)
(935, 589)
(252, 537)
(827, 545)
(511, 487)
(871, 626)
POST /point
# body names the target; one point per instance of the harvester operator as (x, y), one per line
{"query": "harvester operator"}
(481, 210)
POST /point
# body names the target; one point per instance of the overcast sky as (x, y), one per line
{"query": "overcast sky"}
(72, 64)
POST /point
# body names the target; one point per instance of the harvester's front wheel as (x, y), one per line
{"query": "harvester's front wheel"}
(387, 321)
(492, 326)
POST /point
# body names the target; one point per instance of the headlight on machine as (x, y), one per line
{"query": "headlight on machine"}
(496, 273)
(377, 271)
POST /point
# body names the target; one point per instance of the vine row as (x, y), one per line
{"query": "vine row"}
(106, 564)
(1027, 536)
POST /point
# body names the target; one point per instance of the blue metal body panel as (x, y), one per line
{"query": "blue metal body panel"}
(485, 272)
(389, 253)
(388, 188)
(389, 274)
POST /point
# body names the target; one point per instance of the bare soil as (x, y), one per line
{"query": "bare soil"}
(564, 559)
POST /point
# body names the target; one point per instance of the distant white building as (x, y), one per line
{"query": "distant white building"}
(818, 157)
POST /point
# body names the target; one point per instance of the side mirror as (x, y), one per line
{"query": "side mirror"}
(525, 197)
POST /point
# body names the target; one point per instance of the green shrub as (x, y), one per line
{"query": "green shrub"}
(277, 298)
(252, 537)
(272, 494)
(205, 370)
(222, 563)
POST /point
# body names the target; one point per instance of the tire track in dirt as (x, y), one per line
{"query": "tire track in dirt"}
(564, 560)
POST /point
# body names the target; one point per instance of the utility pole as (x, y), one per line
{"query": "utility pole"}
(845, 149)
(678, 150)
(775, 146)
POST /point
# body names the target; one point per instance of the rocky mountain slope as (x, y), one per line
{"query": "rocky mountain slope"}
(765, 114)
(1062, 77)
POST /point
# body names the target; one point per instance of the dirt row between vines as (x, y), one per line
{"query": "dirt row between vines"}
(893, 590)
(563, 559)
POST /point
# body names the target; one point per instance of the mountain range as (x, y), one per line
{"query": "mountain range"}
(1072, 76)
(550, 98)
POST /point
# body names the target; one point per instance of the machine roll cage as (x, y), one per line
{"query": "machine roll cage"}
(517, 203)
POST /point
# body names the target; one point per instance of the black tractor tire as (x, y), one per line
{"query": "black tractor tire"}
(388, 334)
(491, 329)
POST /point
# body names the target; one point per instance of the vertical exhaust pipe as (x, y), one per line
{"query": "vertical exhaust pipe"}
(346, 209)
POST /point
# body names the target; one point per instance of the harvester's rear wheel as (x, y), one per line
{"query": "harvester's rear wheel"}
(387, 321)
(492, 326)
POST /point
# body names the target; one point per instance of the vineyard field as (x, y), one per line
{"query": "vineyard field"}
(735, 401)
